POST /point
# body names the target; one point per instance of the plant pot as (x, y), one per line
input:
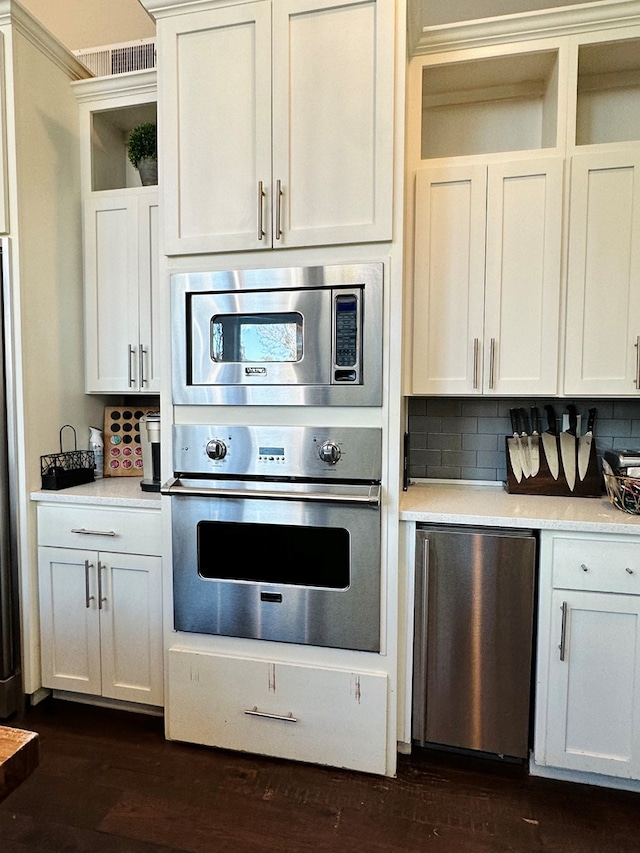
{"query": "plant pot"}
(148, 169)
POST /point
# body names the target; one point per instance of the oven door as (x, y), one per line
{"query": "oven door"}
(281, 568)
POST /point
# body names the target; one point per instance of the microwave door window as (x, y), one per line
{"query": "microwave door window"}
(257, 338)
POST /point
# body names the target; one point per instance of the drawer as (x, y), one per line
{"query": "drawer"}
(118, 529)
(600, 565)
(303, 713)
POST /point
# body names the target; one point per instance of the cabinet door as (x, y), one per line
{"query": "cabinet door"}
(131, 627)
(69, 620)
(593, 702)
(216, 128)
(522, 291)
(448, 296)
(149, 294)
(603, 295)
(111, 293)
(333, 120)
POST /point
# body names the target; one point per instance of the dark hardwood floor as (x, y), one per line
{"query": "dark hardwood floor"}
(108, 781)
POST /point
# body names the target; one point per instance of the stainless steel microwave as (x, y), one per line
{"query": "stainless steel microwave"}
(293, 336)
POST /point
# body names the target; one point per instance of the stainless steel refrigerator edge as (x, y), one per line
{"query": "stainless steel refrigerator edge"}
(474, 639)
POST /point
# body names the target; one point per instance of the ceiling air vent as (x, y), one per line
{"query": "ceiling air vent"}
(119, 58)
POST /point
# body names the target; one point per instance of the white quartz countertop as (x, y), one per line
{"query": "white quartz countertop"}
(108, 491)
(491, 505)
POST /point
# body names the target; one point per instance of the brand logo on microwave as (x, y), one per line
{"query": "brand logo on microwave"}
(255, 371)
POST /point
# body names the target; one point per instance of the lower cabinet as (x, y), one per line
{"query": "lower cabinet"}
(588, 709)
(304, 713)
(100, 611)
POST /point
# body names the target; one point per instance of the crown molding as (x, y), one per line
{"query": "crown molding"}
(561, 21)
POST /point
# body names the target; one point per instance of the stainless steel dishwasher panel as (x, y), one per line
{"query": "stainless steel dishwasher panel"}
(474, 639)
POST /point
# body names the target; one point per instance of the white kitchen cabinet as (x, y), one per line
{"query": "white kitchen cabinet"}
(486, 295)
(101, 610)
(121, 280)
(287, 137)
(603, 291)
(588, 702)
(304, 713)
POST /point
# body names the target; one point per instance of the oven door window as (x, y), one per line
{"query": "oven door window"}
(257, 338)
(274, 553)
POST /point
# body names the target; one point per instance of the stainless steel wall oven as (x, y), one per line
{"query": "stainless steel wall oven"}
(291, 336)
(276, 533)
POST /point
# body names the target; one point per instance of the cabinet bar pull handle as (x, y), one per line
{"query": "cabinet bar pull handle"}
(278, 209)
(86, 532)
(476, 352)
(285, 718)
(143, 353)
(132, 381)
(88, 598)
(563, 631)
(492, 363)
(638, 362)
(260, 210)
(101, 597)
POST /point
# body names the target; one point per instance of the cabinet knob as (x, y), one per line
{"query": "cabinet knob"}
(584, 568)
(629, 571)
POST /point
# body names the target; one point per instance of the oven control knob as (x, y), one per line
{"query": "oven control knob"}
(330, 452)
(216, 449)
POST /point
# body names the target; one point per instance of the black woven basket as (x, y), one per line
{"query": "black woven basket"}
(67, 468)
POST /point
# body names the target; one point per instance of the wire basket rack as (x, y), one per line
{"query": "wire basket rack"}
(623, 492)
(67, 468)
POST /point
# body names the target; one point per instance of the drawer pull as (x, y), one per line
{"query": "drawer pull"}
(563, 631)
(86, 532)
(288, 718)
(584, 568)
(629, 571)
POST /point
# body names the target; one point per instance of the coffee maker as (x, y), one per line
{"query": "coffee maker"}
(150, 441)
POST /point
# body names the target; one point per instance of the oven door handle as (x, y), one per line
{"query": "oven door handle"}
(174, 487)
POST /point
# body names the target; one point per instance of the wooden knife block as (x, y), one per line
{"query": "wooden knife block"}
(544, 483)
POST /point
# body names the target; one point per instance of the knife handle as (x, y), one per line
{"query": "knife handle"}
(551, 419)
(592, 419)
(535, 420)
(573, 419)
(513, 414)
(522, 421)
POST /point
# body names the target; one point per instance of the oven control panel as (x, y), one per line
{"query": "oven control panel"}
(288, 451)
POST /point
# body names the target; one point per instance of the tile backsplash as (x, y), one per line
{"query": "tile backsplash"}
(463, 439)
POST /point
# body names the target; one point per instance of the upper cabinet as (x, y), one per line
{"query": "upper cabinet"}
(277, 123)
(487, 278)
(530, 287)
(120, 238)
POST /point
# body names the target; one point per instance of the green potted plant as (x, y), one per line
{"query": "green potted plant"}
(142, 149)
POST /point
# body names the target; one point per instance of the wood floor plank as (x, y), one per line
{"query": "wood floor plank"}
(109, 782)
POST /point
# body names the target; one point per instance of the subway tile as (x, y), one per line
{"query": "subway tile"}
(444, 441)
(443, 472)
(426, 457)
(615, 428)
(417, 407)
(460, 458)
(490, 460)
(459, 425)
(445, 407)
(494, 426)
(419, 471)
(488, 474)
(625, 409)
(480, 442)
(480, 408)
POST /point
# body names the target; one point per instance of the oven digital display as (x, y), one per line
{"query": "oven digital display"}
(256, 338)
(271, 451)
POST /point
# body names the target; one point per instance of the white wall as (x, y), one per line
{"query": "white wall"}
(89, 23)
